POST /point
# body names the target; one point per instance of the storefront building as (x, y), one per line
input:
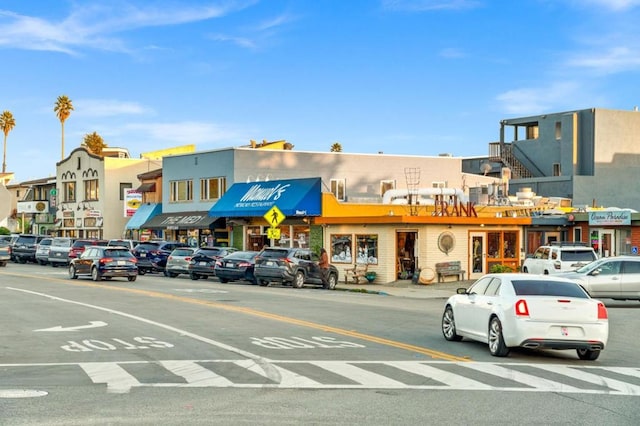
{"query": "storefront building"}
(197, 229)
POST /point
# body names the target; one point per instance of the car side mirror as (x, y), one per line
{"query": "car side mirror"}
(595, 272)
(461, 290)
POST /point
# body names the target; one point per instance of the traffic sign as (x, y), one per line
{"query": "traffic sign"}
(273, 233)
(274, 216)
(53, 192)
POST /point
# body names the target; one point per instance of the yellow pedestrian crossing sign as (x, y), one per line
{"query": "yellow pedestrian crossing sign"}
(273, 233)
(274, 217)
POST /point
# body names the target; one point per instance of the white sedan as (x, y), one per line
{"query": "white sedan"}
(532, 311)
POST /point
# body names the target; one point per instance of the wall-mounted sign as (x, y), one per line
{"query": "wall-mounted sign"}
(610, 217)
(132, 200)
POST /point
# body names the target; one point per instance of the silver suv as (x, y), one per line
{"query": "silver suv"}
(559, 257)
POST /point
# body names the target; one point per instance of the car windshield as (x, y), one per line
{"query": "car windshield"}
(209, 252)
(63, 242)
(548, 288)
(277, 254)
(243, 255)
(147, 246)
(117, 253)
(577, 255)
(590, 267)
(182, 252)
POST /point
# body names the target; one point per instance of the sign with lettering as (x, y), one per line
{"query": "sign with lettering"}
(610, 217)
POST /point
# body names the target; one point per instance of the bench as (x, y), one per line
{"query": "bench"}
(358, 272)
(446, 269)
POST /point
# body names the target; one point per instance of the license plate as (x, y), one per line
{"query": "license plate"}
(121, 262)
(270, 263)
(229, 265)
(58, 254)
(143, 254)
(203, 263)
(564, 331)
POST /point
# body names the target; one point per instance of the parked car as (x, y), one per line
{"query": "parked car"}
(130, 244)
(24, 248)
(616, 277)
(291, 266)
(79, 246)
(152, 255)
(203, 261)
(5, 252)
(42, 251)
(59, 251)
(237, 266)
(533, 311)
(558, 257)
(100, 262)
(178, 261)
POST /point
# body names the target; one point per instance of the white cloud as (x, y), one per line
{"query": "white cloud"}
(452, 52)
(610, 61)
(534, 100)
(614, 5)
(428, 5)
(107, 108)
(186, 132)
(94, 26)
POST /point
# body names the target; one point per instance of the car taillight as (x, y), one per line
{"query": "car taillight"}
(132, 259)
(170, 257)
(602, 311)
(187, 258)
(244, 264)
(522, 310)
(106, 260)
(287, 260)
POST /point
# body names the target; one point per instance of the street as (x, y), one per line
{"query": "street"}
(175, 351)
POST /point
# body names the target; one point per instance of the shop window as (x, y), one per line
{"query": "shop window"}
(341, 248)
(285, 237)
(301, 236)
(91, 190)
(69, 190)
(367, 246)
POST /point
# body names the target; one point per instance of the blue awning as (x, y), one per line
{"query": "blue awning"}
(294, 197)
(144, 213)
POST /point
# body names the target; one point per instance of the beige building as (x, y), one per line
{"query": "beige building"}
(91, 192)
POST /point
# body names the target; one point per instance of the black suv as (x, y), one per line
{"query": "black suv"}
(24, 248)
(152, 255)
(291, 266)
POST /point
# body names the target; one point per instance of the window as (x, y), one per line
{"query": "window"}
(558, 130)
(577, 234)
(91, 190)
(341, 248)
(438, 184)
(367, 246)
(338, 189)
(532, 131)
(69, 190)
(386, 185)
(180, 190)
(556, 169)
(123, 189)
(212, 188)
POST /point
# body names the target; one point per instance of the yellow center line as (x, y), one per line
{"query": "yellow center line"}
(262, 314)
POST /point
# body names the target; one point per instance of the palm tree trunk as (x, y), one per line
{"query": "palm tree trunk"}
(4, 155)
(62, 125)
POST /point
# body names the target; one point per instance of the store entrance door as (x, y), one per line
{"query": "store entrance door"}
(406, 254)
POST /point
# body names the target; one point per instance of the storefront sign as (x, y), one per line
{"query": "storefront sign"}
(618, 217)
(132, 200)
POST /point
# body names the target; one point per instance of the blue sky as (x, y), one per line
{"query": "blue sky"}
(417, 77)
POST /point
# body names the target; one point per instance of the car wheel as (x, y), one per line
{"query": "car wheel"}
(525, 270)
(588, 354)
(166, 274)
(141, 271)
(194, 276)
(545, 272)
(72, 272)
(132, 278)
(264, 283)
(496, 341)
(95, 274)
(173, 274)
(449, 326)
(332, 281)
(224, 280)
(298, 280)
(55, 265)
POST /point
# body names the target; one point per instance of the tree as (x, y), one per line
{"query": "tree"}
(94, 142)
(63, 108)
(336, 147)
(7, 123)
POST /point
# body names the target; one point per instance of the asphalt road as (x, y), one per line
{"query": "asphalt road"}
(175, 351)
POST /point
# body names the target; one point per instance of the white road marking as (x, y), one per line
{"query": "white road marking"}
(195, 374)
(92, 324)
(200, 290)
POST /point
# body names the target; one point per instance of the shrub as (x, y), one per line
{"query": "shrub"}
(497, 269)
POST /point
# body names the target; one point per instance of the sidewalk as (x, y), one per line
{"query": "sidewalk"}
(405, 288)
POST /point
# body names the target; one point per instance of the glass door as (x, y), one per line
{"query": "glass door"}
(603, 242)
(477, 254)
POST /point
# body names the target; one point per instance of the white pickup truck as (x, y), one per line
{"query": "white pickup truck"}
(59, 251)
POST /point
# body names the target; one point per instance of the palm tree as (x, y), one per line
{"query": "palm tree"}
(63, 110)
(336, 147)
(7, 123)
(94, 142)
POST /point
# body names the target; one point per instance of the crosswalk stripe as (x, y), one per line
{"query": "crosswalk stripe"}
(516, 376)
(617, 385)
(448, 380)
(358, 375)
(284, 378)
(195, 374)
(116, 378)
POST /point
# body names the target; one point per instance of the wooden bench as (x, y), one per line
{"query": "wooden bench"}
(446, 269)
(356, 273)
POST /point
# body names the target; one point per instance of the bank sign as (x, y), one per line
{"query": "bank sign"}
(604, 217)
